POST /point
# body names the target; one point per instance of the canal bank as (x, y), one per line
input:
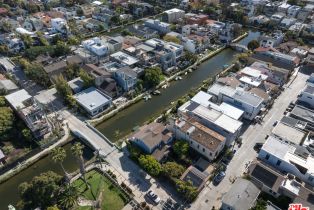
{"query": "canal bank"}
(123, 122)
(9, 190)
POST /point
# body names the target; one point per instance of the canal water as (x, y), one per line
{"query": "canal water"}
(123, 122)
(9, 189)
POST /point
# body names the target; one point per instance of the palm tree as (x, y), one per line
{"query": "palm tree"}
(58, 155)
(77, 151)
(68, 197)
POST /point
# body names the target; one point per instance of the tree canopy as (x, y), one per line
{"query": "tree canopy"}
(87, 79)
(42, 191)
(62, 86)
(187, 189)
(65, 91)
(2, 101)
(173, 39)
(153, 76)
(172, 170)
(6, 122)
(252, 45)
(150, 164)
(35, 72)
(181, 148)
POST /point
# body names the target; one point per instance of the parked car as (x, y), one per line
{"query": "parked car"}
(257, 147)
(153, 196)
(275, 123)
(219, 177)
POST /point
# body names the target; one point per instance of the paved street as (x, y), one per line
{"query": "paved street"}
(127, 170)
(211, 195)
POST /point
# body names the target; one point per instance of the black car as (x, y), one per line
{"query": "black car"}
(219, 177)
(258, 146)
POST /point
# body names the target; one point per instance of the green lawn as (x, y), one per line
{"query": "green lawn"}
(112, 197)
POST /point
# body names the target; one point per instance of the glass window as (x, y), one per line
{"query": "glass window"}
(267, 156)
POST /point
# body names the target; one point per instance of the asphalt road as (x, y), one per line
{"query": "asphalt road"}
(212, 195)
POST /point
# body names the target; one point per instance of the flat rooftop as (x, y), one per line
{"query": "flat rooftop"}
(253, 73)
(18, 98)
(277, 148)
(124, 58)
(264, 176)
(242, 194)
(202, 98)
(288, 133)
(303, 113)
(92, 99)
(293, 122)
(251, 81)
(309, 89)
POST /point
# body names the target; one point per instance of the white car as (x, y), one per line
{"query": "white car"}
(153, 196)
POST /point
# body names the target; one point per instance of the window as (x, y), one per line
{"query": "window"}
(191, 142)
(203, 149)
(210, 154)
(267, 157)
(278, 162)
(309, 97)
(310, 178)
(198, 146)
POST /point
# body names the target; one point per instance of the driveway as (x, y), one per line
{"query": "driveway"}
(212, 195)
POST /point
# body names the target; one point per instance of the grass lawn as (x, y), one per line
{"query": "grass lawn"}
(111, 197)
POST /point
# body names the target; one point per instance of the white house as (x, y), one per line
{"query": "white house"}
(310, 57)
(202, 139)
(250, 103)
(161, 27)
(287, 22)
(186, 30)
(96, 46)
(283, 8)
(174, 15)
(60, 25)
(307, 95)
(288, 158)
(214, 117)
(293, 11)
(304, 13)
(272, 40)
(93, 101)
(277, 18)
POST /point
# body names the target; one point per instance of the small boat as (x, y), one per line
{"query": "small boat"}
(147, 97)
(180, 78)
(225, 66)
(186, 73)
(190, 70)
(156, 92)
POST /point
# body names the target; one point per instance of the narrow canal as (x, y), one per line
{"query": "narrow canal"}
(123, 122)
(9, 189)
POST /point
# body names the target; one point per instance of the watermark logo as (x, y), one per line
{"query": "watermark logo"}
(297, 206)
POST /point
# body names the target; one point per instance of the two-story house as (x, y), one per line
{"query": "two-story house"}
(126, 78)
(250, 103)
(288, 158)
